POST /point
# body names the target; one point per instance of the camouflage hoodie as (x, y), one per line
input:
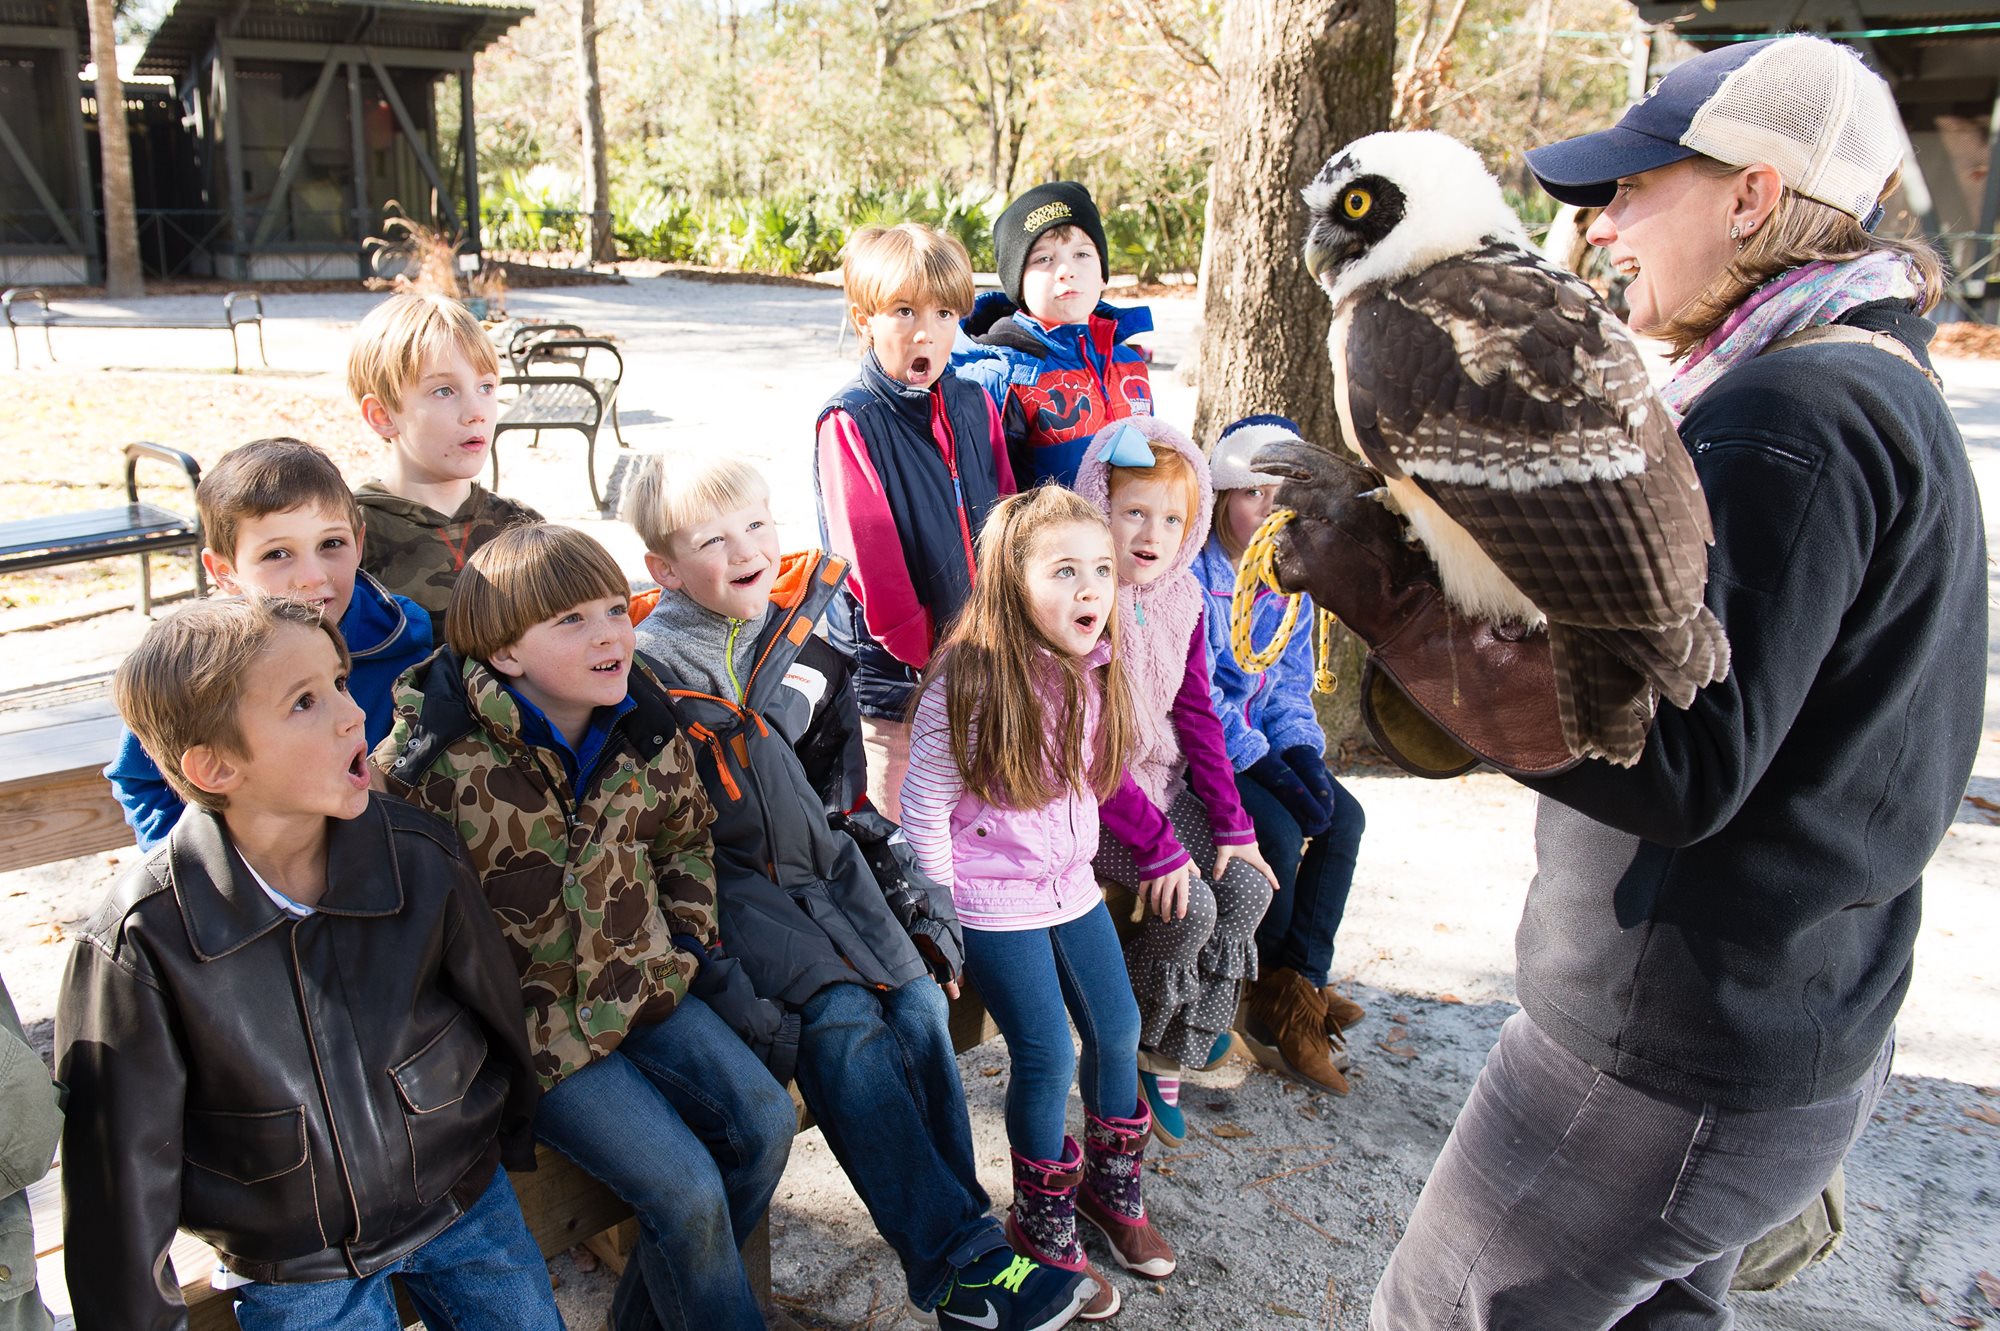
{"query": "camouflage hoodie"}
(592, 886)
(416, 551)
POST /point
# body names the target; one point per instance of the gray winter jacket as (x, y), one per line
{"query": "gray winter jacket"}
(801, 907)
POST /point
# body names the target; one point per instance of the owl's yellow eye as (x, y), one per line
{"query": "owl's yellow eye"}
(1356, 203)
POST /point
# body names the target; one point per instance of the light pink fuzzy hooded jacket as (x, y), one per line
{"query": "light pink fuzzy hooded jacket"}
(1163, 644)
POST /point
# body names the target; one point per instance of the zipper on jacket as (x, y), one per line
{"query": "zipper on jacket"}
(1083, 350)
(729, 657)
(940, 419)
(325, 1098)
(706, 736)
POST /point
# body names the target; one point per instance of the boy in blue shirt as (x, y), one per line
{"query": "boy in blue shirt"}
(278, 520)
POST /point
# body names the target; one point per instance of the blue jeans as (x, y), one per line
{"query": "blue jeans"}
(1305, 913)
(1027, 978)
(686, 1125)
(484, 1271)
(878, 1072)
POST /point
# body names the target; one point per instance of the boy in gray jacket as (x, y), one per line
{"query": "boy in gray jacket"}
(850, 940)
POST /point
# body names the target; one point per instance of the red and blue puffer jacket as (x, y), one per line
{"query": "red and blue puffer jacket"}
(1055, 387)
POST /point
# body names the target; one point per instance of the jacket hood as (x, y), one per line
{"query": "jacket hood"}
(370, 494)
(376, 621)
(1093, 482)
(997, 317)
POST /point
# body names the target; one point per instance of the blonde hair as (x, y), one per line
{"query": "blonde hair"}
(908, 261)
(1170, 467)
(272, 475)
(994, 661)
(1218, 527)
(1798, 231)
(660, 503)
(399, 335)
(523, 576)
(182, 685)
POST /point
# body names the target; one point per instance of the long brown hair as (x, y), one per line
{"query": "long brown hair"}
(995, 665)
(1798, 231)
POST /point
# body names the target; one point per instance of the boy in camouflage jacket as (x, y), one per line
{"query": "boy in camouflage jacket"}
(559, 759)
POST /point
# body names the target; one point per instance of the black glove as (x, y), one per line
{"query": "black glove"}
(919, 903)
(1271, 773)
(1310, 768)
(768, 1028)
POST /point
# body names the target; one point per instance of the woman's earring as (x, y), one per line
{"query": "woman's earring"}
(1736, 234)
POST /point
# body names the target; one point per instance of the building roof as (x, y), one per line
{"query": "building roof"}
(190, 27)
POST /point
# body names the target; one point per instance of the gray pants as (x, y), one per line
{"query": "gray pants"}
(1567, 1200)
(1188, 973)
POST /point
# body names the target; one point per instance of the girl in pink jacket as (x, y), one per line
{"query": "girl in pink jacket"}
(1198, 946)
(1017, 746)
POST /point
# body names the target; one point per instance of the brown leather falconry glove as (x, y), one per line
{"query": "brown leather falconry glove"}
(1440, 692)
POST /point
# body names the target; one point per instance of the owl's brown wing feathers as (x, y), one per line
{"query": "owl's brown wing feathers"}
(1511, 397)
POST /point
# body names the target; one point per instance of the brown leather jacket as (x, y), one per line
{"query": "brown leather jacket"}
(314, 1097)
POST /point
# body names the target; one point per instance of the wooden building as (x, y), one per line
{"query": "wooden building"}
(304, 119)
(1942, 59)
(47, 227)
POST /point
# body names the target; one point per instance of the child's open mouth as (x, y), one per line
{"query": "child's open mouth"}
(1146, 556)
(357, 768)
(609, 668)
(920, 369)
(1086, 623)
(748, 580)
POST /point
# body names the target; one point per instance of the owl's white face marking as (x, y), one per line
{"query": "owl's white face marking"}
(1430, 197)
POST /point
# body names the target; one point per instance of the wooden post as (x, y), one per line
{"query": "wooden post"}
(232, 163)
(363, 214)
(468, 156)
(79, 156)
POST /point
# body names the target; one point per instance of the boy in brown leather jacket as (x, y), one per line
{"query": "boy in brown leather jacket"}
(292, 1029)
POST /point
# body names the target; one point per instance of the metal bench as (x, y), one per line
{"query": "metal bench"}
(15, 307)
(102, 533)
(560, 384)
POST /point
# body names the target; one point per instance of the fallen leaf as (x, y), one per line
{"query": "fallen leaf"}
(1402, 1017)
(1230, 1131)
(1983, 1114)
(1442, 928)
(1282, 1311)
(1966, 1322)
(1450, 998)
(1926, 1296)
(990, 1071)
(1167, 1170)
(1978, 803)
(1397, 1033)
(1399, 1050)
(1989, 1285)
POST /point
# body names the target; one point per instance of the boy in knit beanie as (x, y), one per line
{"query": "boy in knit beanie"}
(1051, 353)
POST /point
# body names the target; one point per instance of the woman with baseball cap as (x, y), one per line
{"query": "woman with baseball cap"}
(1718, 938)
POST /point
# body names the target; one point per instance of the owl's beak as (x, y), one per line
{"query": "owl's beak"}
(1326, 250)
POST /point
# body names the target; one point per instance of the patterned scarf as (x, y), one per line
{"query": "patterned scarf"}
(1804, 297)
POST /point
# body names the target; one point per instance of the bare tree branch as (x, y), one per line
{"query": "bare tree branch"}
(1148, 13)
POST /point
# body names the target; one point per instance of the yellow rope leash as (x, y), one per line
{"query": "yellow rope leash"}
(1255, 571)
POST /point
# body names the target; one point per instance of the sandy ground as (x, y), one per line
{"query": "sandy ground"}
(1284, 1204)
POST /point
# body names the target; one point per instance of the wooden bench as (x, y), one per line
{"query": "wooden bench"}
(561, 384)
(14, 308)
(131, 528)
(54, 802)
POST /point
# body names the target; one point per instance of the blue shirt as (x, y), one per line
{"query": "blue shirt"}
(579, 763)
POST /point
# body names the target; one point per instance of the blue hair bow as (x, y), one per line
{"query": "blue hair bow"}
(1127, 448)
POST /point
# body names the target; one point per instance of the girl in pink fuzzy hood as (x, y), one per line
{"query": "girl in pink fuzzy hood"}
(1197, 946)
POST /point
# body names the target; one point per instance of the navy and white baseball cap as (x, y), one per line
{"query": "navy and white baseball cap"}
(1805, 105)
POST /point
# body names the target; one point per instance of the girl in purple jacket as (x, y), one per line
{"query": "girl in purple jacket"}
(1017, 745)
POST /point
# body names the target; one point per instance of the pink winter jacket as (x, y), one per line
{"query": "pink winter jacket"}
(1020, 868)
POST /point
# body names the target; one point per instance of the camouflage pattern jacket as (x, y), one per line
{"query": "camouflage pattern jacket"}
(416, 551)
(590, 886)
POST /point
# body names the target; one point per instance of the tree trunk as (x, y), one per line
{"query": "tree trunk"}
(122, 278)
(599, 243)
(1301, 78)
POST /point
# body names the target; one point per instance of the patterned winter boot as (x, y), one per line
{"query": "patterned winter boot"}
(1114, 1160)
(1042, 1222)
